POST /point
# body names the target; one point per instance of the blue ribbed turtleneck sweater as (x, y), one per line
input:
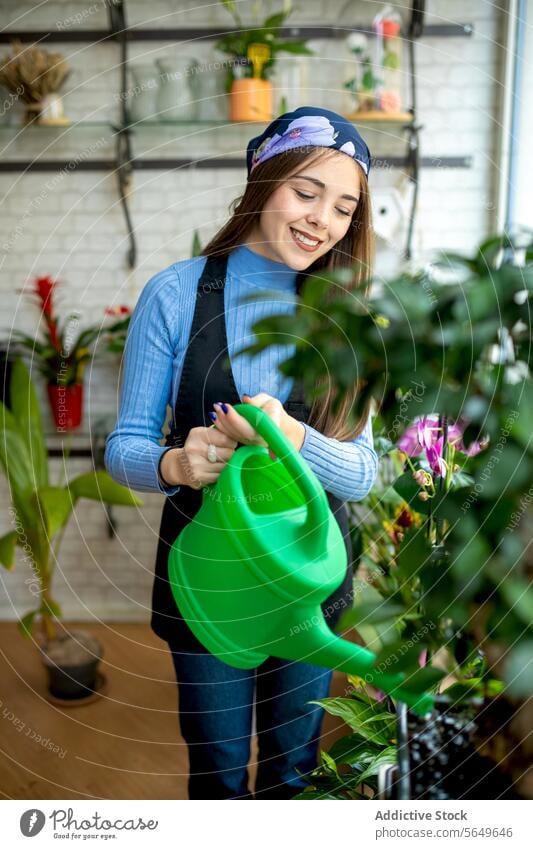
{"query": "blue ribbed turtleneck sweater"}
(153, 360)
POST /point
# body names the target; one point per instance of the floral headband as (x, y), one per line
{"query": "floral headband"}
(308, 126)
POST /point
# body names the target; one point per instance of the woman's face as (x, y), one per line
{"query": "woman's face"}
(318, 202)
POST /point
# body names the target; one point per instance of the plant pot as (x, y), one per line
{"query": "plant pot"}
(251, 100)
(66, 403)
(439, 756)
(72, 661)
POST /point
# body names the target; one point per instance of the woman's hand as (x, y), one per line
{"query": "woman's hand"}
(190, 465)
(235, 426)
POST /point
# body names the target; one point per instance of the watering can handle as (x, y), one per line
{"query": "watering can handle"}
(317, 502)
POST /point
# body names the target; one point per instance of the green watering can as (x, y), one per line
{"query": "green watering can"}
(251, 569)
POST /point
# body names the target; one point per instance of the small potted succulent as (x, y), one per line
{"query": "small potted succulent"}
(39, 513)
(254, 52)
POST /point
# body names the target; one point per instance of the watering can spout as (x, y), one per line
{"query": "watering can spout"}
(318, 645)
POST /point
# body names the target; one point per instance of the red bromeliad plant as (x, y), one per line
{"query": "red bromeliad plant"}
(60, 354)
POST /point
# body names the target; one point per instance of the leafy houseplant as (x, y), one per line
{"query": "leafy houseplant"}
(61, 356)
(350, 769)
(255, 52)
(461, 573)
(363, 85)
(40, 511)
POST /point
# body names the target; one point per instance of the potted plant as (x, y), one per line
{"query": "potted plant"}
(40, 511)
(61, 356)
(455, 360)
(254, 51)
(36, 76)
(362, 86)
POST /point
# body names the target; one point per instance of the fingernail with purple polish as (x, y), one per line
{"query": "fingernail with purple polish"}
(212, 416)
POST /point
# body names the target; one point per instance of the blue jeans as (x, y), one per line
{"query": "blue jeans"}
(215, 711)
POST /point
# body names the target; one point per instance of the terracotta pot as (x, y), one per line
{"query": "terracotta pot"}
(66, 403)
(251, 100)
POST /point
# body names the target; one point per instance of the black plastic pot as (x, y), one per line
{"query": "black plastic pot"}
(438, 759)
(73, 681)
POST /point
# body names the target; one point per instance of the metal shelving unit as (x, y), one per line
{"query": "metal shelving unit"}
(125, 163)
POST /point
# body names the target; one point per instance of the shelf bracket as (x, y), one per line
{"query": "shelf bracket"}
(124, 167)
(416, 30)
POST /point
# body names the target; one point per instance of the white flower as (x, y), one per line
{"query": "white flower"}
(357, 42)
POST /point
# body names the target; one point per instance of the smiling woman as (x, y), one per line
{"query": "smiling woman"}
(313, 221)
(305, 207)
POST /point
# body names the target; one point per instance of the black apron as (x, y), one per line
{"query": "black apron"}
(205, 380)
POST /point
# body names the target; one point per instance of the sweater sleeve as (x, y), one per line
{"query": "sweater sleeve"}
(346, 469)
(133, 450)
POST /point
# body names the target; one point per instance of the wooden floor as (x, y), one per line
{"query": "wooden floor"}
(125, 745)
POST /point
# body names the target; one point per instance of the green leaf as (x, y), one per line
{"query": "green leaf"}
(374, 634)
(371, 613)
(519, 596)
(100, 486)
(14, 455)
(504, 473)
(51, 607)
(518, 670)
(385, 758)
(353, 749)
(274, 21)
(57, 506)
(400, 656)
(297, 48)
(329, 763)
(31, 529)
(354, 713)
(460, 480)
(459, 693)
(27, 412)
(25, 624)
(7, 549)
(389, 496)
(413, 554)
(408, 489)
(383, 446)
(424, 679)
(468, 563)
(521, 406)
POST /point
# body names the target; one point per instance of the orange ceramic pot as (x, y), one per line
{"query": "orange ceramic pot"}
(251, 100)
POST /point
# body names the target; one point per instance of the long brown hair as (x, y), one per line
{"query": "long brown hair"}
(355, 251)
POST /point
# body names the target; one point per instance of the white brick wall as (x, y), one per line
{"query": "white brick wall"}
(70, 225)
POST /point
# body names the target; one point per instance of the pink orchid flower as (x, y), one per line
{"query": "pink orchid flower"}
(418, 436)
(434, 457)
(425, 435)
